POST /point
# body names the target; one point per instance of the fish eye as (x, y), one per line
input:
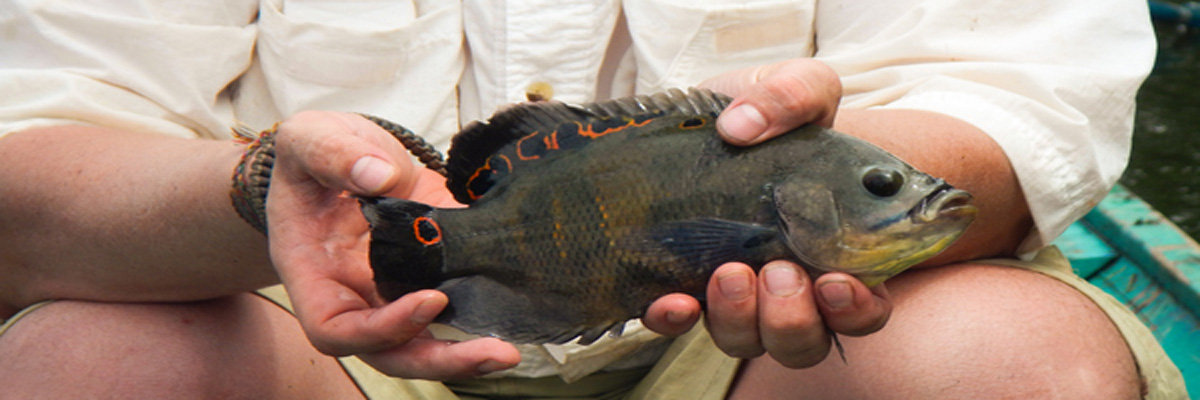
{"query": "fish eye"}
(883, 182)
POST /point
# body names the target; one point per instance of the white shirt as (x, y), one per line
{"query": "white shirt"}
(1052, 82)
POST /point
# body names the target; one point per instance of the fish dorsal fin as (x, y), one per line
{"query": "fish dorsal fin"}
(485, 152)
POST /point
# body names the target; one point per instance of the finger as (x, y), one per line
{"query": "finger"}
(432, 359)
(732, 314)
(849, 307)
(341, 151)
(429, 188)
(773, 99)
(672, 315)
(340, 323)
(791, 327)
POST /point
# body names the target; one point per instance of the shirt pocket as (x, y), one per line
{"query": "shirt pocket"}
(313, 43)
(680, 43)
(403, 66)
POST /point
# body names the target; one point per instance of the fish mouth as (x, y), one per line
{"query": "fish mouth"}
(944, 202)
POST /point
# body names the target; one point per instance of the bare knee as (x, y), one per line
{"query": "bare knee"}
(971, 331)
(228, 348)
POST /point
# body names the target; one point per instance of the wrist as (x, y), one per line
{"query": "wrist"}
(252, 179)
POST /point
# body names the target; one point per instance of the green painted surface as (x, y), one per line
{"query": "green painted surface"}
(1088, 253)
(1137, 231)
(1139, 257)
(1176, 329)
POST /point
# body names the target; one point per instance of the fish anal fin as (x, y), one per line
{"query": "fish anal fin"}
(484, 306)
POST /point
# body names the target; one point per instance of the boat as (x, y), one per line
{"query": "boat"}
(1186, 14)
(1140, 257)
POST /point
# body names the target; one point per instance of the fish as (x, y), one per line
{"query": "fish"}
(578, 217)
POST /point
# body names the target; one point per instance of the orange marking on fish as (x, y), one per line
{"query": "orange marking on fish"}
(603, 214)
(488, 167)
(557, 210)
(589, 132)
(470, 192)
(430, 223)
(507, 162)
(522, 156)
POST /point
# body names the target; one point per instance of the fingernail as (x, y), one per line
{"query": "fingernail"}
(734, 285)
(426, 312)
(677, 318)
(836, 294)
(743, 123)
(490, 366)
(370, 173)
(782, 280)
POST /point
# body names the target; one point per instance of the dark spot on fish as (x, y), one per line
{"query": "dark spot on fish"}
(427, 231)
(478, 182)
(482, 179)
(526, 153)
(691, 123)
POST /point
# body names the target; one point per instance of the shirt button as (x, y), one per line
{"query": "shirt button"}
(539, 91)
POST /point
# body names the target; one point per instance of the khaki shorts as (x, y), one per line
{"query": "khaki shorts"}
(693, 368)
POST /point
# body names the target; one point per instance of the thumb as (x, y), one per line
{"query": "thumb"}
(372, 175)
(772, 99)
(343, 151)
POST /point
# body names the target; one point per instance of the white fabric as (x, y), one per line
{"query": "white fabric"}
(1052, 82)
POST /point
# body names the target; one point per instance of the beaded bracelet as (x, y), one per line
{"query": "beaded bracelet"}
(252, 176)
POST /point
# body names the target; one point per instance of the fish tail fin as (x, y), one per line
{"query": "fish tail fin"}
(406, 245)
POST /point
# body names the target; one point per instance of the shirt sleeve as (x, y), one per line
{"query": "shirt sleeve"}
(153, 67)
(1053, 83)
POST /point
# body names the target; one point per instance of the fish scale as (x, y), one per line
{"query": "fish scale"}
(627, 186)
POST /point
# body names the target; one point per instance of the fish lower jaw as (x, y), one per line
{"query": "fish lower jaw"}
(874, 265)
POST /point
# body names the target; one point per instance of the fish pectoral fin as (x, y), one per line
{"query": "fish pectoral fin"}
(713, 241)
(483, 306)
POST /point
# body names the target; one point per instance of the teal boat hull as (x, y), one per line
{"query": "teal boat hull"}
(1138, 256)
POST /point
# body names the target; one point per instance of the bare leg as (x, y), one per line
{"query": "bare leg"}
(968, 331)
(242, 347)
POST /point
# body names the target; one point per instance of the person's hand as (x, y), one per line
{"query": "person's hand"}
(319, 241)
(779, 311)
